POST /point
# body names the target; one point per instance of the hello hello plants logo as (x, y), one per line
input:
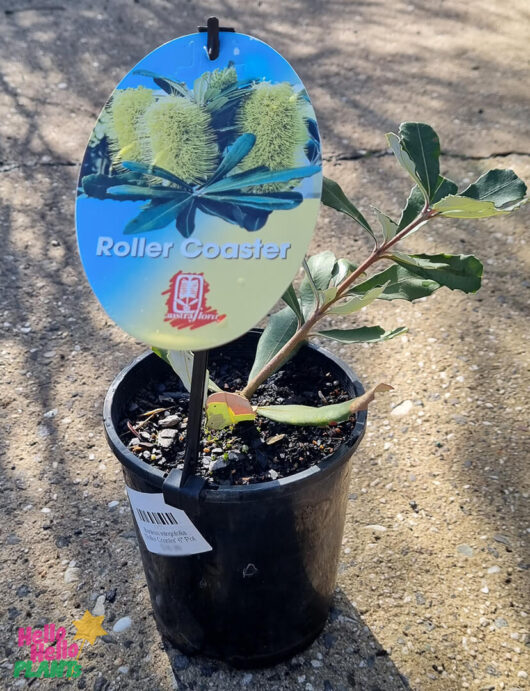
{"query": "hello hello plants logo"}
(50, 651)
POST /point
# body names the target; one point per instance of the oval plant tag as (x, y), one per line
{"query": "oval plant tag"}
(199, 191)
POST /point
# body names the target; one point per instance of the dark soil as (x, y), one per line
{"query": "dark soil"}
(249, 452)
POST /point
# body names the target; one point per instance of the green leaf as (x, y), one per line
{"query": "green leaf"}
(237, 152)
(269, 201)
(422, 145)
(354, 304)
(457, 272)
(323, 416)
(455, 206)
(501, 187)
(137, 193)
(157, 172)
(342, 269)
(413, 208)
(291, 299)
(253, 179)
(403, 158)
(326, 296)
(401, 284)
(388, 226)
(280, 328)
(334, 197)
(154, 217)
(317, 277)
(162, 353)
(364, 334)
(444, 187)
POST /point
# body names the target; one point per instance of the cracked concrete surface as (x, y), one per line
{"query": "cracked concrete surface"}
(432, 590)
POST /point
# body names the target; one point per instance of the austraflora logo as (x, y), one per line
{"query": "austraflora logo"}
(50, 651)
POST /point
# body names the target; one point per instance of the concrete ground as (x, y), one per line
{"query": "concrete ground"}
(435, 596)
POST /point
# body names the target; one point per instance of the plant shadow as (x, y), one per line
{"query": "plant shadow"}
(345, 656)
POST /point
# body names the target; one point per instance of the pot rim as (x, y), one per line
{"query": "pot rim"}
(156, 477)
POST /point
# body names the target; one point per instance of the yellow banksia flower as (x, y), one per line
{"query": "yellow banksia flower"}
(126, 111)
(273, 113)
(179, 138)
(221, 79)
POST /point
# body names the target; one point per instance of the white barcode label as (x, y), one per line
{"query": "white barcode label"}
(165, 529)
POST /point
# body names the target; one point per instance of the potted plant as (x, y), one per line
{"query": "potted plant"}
(281, 425)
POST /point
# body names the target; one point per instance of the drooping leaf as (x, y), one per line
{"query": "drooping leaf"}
(291, 299)
(388, 226)
(181, 361)
(157, 172)
(323, 416)
(237, 152)
(185, 220)
(357, 302)
(317, 277)
(364, 334)
(268, 201)
(502, 187)
(422, 145)
(334, 197)
(224, 409)
(253, 179)
(401, 284)
(280, 328)
(154, 217)
(455, 206)
(455, 271)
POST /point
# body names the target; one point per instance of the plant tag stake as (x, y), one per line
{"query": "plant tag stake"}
(165, 529)
(199, 191)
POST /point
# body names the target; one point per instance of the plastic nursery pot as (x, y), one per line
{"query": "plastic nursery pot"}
(263, 592)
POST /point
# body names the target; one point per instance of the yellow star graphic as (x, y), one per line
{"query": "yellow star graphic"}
(89, 628)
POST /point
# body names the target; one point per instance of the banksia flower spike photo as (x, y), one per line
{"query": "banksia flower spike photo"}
(127, 108)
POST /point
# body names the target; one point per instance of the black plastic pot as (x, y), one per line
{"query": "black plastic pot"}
(263, 593)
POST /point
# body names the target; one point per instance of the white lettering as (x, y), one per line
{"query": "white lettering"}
(230, 246)
(191, 248)
(122, 249)
(104, 246)
(154, 250)
(211, 250)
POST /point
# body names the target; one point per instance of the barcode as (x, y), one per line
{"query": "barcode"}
(157, 517)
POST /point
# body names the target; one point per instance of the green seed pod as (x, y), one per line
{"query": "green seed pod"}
(274, 114)
(179, 138)
(126, 110)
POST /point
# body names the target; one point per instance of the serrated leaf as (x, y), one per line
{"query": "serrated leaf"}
(356, 303)
(388, 226)
(320, 417)
(280, 328)
(401, 284)
(334, 197)
(455, 206)
(408, 260)
(500, 186)
(413, 208)
(291, 299)
(457, 272)
(317, 277)
(364, 334)
(225, 409)
(422, 145)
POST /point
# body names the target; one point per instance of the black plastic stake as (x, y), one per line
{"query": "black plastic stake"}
(198, 383)
(213, 29)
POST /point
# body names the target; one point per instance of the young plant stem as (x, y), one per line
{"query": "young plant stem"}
(305, 329)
